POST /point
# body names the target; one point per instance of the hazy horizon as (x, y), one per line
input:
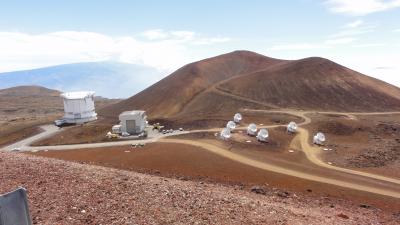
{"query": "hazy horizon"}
(361, 35)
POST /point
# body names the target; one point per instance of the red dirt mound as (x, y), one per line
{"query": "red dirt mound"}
(318, 84)
(223, 84)
(168, 97)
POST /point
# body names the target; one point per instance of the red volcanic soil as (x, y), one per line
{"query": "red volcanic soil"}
(170, 95)
(227, 83)
(364, 142)
(318, 84)
(194, 163)
(24, 108)
(61, 192)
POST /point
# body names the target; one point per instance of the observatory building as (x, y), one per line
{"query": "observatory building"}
(78, 107)
(292, 127)
(131, 122)
(319, 138)
(225, 134)
(262, 135)
(231, 125)
(237, 117)
(252, 129)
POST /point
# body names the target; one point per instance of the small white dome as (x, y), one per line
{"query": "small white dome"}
(292, 127)
(225, 134)
(231, 125)
(252, 129)
(319, 138)
(237, 117)
(263, 135)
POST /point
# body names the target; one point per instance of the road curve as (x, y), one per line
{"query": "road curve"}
(301, 141)
(265, 166)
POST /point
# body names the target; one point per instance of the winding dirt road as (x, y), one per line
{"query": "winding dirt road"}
(342, 177)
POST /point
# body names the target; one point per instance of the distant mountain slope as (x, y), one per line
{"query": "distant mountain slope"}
(36, 101)
(168, 96)
(29, 101)
(223, 84)
(108, 79)
(318, 84)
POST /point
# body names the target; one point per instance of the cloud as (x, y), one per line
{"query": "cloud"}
(348, 33)
(309, 46)
(297, 46)
(340, 41)
(367, 45)
(182, 36)
(354, 24)
(361, 7)
(384, 68)
(156, 34)
(164, 50)
(360, 29)
(396, 30)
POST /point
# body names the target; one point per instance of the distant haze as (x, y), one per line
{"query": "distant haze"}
(107, 79)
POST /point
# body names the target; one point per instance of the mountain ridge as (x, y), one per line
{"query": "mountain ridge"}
(312, 83)
(107, 78)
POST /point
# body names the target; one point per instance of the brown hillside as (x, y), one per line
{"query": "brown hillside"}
(23, 108)
(167, 97)
(30, 100)
(316, 84)
(36, 101)
(222, 85)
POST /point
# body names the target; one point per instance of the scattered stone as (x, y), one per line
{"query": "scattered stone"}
(365, 206)
(283, 194)
(344, 216)
(291, 151)
(258, 190)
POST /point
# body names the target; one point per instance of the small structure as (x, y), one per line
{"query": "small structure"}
(263, 135)
(231, 125)
(319, 138)
(78, 107)
(131, 123)
(292, 127)
(116, 129)
(237, 118)
(14, 208)
(252, 129)
(225, 134)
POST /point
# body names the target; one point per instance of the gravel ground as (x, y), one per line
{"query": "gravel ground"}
(71, 193)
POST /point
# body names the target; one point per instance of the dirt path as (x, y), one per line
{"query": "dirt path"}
(48, 130)
(356, 179)
(302, 141)
(372, 187)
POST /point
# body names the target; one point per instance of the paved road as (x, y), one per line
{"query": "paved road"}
(50, 130)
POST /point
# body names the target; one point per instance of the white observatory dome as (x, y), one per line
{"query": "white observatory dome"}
(319, 138)
(292, 127)
(237, 118)
(262, 135)
(225, 134)
(252, 129)
(231, 125)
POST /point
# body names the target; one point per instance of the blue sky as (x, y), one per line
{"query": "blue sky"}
(361, 34)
